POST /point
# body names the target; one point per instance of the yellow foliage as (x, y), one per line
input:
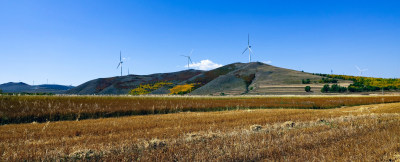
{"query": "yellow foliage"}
(147, 88)
(139, 91)
(369, 81)
(182, 89)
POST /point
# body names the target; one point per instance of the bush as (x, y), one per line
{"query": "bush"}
(1, 91)
(334, 88)
(183, 89)
(325, 88)
(147, 88)
(308, 89)
(328, 80)
(307, 81)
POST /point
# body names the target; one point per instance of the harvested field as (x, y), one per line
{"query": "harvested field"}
(26, 109)
(360, 133)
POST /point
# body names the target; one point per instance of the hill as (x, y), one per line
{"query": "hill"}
(233, 79)
(19, 87)
(258, 79)
(123, 84)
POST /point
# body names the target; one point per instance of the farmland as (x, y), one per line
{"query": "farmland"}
(190, 129)
(26, 109)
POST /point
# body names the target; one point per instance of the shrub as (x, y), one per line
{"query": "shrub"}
(325, 88)
(334, 88)
(139, 91)
(308, 89)
(328, 80)
(183, 89)
(307, 81)
(147, 88)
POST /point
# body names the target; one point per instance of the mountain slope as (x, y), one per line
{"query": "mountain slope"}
(258, 78)
(123, 84)
(18, 87)
(234, 79)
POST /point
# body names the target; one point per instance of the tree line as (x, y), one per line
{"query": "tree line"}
(360, 84)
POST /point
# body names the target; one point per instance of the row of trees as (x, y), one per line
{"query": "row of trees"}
(362, 84)
(333, 89)
(323, 80)
(328, 80)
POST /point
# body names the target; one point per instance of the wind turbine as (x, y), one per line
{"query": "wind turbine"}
(120, 62)
(248, 47)
(188, 57)
(360, 70)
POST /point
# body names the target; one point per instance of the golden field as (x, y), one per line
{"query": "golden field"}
(350, 133)
(27, 109)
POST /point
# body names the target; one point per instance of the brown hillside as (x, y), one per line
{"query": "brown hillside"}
(259, 78)
(234, 79)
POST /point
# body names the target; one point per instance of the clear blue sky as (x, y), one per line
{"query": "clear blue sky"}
(73, 41)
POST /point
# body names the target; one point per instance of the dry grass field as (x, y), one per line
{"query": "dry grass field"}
(350, 133)
(27, 109)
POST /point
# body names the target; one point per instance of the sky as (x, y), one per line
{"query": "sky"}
(70, 42)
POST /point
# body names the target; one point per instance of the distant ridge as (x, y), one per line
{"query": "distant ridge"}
(253, 78)
(18, 87)
(123, 84)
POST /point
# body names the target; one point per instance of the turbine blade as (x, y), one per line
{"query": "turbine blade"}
(250, 50)
(118, 65)
(245, 50)
(191, 52)
(190, 60)
(120, 58)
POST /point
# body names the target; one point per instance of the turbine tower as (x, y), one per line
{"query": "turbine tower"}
(359, 70)
(120, 62)
(188, 57)
(248, 47)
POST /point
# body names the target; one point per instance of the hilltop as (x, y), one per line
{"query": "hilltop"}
(234, 79)
(19, 87)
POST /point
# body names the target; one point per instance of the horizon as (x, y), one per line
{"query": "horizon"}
(72, 42)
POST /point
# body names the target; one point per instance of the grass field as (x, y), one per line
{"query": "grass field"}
(351, 133)
(27, 109)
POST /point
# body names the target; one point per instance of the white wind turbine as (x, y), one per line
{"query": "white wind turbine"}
(120, 62)
(248, 47)
(188, 57)
(360, 70)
